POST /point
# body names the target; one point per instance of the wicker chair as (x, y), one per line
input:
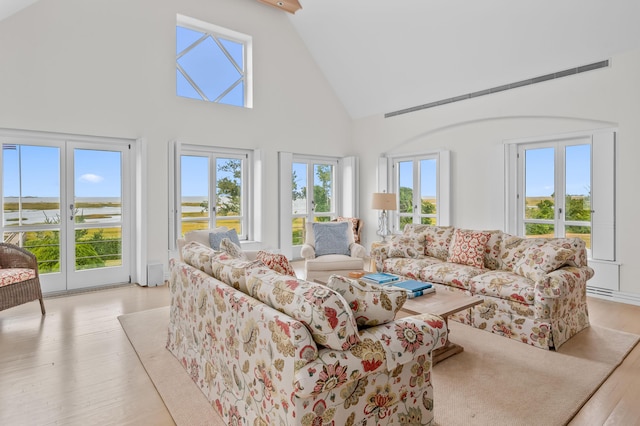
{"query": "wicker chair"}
(19, 270)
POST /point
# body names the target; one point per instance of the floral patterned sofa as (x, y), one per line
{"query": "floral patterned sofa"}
(270, 349)
(534, 289)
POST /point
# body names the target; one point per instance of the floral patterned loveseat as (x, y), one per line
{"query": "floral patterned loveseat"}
(534, 289)
(270, 349)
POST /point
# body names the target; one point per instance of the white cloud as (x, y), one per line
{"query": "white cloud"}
(91, 178)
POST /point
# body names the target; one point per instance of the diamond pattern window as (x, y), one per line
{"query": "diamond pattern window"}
(213, 64)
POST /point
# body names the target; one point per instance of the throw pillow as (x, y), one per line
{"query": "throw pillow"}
(202, 235)
(372, 304)
(468, 247)
(354, 226)
(438, 241)
(331, 238)
(537, 261)
(323, 311)
(233, 250)
(216, 237)
(409, 246)
(276, 262)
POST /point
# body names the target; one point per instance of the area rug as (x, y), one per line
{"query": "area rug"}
(495, 381)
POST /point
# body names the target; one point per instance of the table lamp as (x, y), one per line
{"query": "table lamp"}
(383, 201)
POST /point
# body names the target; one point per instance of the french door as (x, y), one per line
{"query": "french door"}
(313, 194)
(68, 203)
(555, 183)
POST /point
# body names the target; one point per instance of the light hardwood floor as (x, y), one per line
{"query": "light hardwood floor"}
(76, 366)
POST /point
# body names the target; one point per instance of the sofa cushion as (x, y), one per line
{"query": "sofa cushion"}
(504, 285)
(537, 261)
(371, 304)
(322, 310)
(198, 255)
(513, 249)
(331, 238)
(403, 245)
(468, 247)
(232, 271)
(453, 274)
(202, 235)
(437, 241)
(15, 275)
(216, 237)
(408, 267)
(493, 250)
(276, 262)
(233, 250)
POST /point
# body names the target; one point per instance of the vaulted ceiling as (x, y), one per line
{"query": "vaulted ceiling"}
(382, 56)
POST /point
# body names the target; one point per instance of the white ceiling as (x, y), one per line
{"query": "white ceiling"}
(381, 56)
(9, 7)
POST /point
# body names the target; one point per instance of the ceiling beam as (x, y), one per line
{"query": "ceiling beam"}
(291, 6)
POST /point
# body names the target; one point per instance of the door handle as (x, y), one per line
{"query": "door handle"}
(71, 214)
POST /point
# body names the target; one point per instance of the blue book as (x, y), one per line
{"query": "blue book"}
(381, 277)
(413, 285)
(412, 294)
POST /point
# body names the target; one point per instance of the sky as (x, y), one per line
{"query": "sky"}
(195, 175)
(206, 59)
(96, 174)
(539, 171)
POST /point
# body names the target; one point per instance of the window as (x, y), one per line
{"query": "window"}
(313, 189)
(556, 188)
(212, 63)
(564, 187)
(213, 189)
(421, 182)
(311, 205)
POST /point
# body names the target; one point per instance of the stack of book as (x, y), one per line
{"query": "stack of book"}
(414, 288)
(381, 277)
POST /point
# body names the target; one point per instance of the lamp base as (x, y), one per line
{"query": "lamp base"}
(383, 226)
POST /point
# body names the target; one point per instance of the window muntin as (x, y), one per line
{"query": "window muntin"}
(416, 185)
(213, 187)
(557, 190)
(212, 63)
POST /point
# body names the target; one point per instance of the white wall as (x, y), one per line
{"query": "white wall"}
(107, 68)
(474, 130)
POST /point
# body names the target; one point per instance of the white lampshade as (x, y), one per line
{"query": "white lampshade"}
(383, 201)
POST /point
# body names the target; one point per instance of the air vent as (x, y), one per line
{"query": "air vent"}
(602, 292)
(552, 76)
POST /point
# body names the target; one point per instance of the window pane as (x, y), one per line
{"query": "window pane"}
(98, 248)
(31, 185)
(98, 186)
(229, 193)
(405, 179)
(297, 227)
(323, 188)
(45, 245)
(539, 230)
(428, 188)
(539, 184)
(578, 191)
(210, 67)
(194, 186)
(299, 188)
(578, 183)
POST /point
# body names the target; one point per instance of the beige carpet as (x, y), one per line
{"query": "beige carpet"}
(495, 381)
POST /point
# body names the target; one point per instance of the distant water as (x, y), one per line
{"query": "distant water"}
(39, 216)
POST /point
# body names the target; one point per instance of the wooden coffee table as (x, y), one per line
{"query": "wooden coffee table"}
(442, 303)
